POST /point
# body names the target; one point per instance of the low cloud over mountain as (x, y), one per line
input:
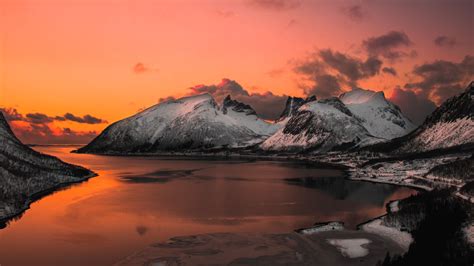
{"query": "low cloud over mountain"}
(267, 105)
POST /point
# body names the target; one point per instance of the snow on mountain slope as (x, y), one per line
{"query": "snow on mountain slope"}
(189, 123)
(24, 172)
(380, 117)
(320, 126)
(450, 125)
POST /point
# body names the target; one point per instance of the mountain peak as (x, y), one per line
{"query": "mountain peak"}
(293, 104)
(359, 95)
(237, 106)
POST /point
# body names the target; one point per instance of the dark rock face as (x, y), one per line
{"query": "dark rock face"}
(25, 172)
(293, 104)
(237, 106)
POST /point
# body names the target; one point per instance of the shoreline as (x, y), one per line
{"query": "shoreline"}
(39, 195)
(345, 165)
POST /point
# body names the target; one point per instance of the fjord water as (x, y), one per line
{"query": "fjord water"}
(136, 201)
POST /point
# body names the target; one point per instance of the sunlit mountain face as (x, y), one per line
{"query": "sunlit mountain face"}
(102, 69)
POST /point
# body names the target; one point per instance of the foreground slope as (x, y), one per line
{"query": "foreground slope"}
(25, 173)
(189, 123)
(450, 126)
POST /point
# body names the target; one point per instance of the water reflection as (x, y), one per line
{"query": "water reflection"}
(140, 200)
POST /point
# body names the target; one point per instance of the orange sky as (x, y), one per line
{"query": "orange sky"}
(77, 56)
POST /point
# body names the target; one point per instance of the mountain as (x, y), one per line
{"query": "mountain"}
(189, 123)
(450, 126)
(292, 105)
(321, 126)
(355, 119)
(379, 116)
(25, 173)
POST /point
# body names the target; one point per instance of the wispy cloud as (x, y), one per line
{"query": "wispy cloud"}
(276, 5)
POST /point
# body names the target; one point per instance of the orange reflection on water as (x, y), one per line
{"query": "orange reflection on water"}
(136, 201)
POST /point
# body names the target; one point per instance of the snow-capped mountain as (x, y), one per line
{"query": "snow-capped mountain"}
(292, 105)
(450, 125)
(355, 119)
(189, 123)
(379, 116)
(25, 172)
(320, 126)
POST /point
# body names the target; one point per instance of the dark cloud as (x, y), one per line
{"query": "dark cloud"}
(354, 12)
(389, 45)
(44, 134)
(38, 118)
(277, 5)
(445, 41)
(38, 128)
(267, 105)
(416, 107)
(390, 70)
(11, 114)
(169, 98)
(442, 79)
(325, 86)
(328, 70)
(87, 119)
(352, 68)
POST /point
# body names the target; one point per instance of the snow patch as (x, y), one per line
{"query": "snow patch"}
(351, 248)
(403, 239)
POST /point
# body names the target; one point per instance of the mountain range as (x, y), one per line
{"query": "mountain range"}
(354, 120)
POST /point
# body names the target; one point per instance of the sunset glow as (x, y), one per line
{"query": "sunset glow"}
(110, 58)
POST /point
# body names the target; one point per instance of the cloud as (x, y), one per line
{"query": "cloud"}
(442, 79)
(325, 86)
(38, 118)
(45, 134)
(390, 70)
(388, 45)
(267, 105)
(86, 119)
(327, 71)
(445, 41)
(276, 5)
(354, 12)
(140, 68)
(416, 107)
(11, 114)
(165, 99)
(39, 127)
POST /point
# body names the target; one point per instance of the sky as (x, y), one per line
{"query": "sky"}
(69, 68)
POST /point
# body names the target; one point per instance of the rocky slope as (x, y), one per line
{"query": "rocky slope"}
(450, 126)
(320, 126)
(189, 123)
(355, 119)
(24, 173)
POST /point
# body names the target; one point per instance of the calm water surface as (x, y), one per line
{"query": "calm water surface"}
(136, 201)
